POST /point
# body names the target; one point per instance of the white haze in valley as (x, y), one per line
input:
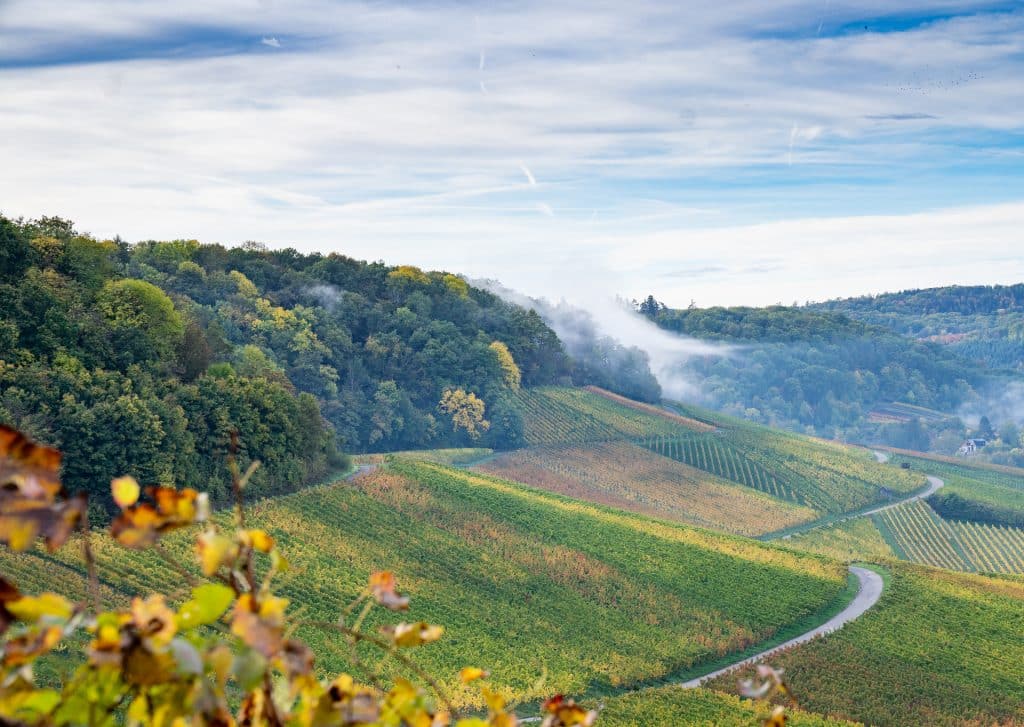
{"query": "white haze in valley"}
(615, 318)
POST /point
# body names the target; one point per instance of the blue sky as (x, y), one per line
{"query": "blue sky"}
(745, 152)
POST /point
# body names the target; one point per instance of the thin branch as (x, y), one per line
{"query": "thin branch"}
(90, 564)
(391, 650)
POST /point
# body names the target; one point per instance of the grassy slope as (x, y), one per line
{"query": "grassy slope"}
(852, 540)
(674, 706)
(940, 648)
(1001, 487)
(526, 582)
(624, 475)
(825, 476)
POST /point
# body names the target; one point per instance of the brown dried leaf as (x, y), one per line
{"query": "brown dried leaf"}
(28, 469)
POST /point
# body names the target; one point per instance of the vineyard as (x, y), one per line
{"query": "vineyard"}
(856, 539)
(623, 475)
(674, 706)
(994, 487)
(824, 476)
(572, 416)
(940, 648)
(687, 422)
(917, 533)
(589, 596)
(716, 456)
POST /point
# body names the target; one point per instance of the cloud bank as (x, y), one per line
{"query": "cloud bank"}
(808, 151)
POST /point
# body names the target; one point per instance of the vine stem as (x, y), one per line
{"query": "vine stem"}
(391, 650)
(90, 564)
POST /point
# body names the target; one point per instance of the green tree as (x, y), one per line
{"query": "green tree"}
(143, 317)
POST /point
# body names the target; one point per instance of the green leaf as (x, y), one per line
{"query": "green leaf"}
(209, 602)
(248, 669)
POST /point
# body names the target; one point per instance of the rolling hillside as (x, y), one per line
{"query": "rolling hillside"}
(527, 583)
(940, 648)
(684, 464)
(631, 477)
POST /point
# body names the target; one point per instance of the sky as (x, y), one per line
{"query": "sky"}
(745, 152)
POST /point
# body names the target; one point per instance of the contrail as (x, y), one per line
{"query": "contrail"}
(529, 174)
(483, 59)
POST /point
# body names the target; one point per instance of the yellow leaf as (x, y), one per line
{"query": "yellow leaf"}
(214, 551)
(415, 634)
(259, 540)
(33, 608)
(125, 490)
(471, 673)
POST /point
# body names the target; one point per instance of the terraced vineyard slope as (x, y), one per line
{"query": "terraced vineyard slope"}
(974, 491)
(556, 415)
(627, 476)
(856, 539)
(526, 582)
(940, 648)
(674, 706)
(825, 477)
(918, 533)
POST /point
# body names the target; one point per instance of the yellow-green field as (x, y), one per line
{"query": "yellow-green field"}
(527, 583)
(940, 648)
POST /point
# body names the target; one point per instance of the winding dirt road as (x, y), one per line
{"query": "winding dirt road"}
(934, 483)
(868, 593)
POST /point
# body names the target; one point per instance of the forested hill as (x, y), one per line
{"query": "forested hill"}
(981, 323)
(143, 358)
(821, 372)
(959, 299)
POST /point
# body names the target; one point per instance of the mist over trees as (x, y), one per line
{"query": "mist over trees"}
(596, 358)
(823, 372)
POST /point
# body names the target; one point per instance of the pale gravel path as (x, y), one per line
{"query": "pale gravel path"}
(934, 483)
(868, 593)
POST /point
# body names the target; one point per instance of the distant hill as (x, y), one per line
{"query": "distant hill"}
(824, 372)
(981, 323)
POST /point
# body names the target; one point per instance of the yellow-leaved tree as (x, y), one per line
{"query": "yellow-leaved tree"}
(466, 410)
(508, 365)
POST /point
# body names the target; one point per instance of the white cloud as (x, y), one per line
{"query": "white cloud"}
(661, 133)
(272, 42)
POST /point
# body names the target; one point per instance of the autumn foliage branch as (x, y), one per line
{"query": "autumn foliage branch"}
(227, 655)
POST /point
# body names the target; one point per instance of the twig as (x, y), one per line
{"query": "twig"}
(391, 650)
(90, 564)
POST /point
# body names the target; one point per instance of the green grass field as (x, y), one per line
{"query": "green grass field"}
(940, 648)
(527, 583)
